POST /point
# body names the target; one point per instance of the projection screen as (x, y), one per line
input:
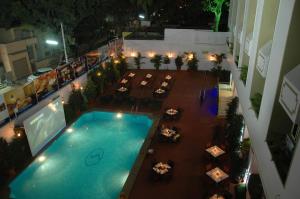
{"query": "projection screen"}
(42, 126)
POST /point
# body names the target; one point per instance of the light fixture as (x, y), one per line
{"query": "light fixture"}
(70, 130)
(133, 54)
(170, 55)
(81, 88)
(51, 42)
(190, 56)
(212, 58)
(151, 54)
(119, 115)
(141, 16)
(116, 61)
(19, 135)
(42, 158)
(99, 74)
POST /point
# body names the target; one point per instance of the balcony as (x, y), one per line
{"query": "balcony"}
(263, 58)
(248, 43)
(290, 94)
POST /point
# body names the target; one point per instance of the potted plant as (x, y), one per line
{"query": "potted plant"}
(178, 62)
(192, 62)
(256, 101)
(244, 72)
(156, 60)
(138, 60)
(166, 60)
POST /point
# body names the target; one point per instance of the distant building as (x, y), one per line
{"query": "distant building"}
(22, 51)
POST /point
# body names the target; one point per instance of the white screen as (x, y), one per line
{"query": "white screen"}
(41, 127)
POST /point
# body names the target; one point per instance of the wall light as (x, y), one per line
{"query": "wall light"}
(190, 56)
(133, 54)
(212, 58)
(151, 54)
(170, 55)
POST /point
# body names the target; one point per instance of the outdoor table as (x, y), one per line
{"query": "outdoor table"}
(124, 81)
(122, 89)
(161, 168)
(216, 196)
(171, 111)
(144, 83)
(160, 91)
(168, 77)
(148, 76)
(164, 84)
(215, 151)
(168, 132)
(217, 174)
(131, 75)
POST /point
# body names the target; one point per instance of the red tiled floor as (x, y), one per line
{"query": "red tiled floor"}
(196, 126)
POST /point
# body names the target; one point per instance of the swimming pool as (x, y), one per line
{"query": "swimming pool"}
(91, 159)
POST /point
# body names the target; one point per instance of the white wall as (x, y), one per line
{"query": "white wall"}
(178, 41)
(258, 127)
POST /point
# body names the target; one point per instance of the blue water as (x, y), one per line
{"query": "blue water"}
(93, 161)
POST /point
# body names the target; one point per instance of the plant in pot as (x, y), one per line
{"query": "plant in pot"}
(178, 62)
(256, 101)
(192, 62)
(156, 60)
(166, 60)
(244, 72)
(138, 60)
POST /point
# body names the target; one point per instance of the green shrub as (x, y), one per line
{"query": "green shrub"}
(244, 72)
(256, 101)
(90, 90)
(77, 101)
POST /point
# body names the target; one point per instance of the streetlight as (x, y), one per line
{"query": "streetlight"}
(51, 42)
(55, 43)
(141, 16)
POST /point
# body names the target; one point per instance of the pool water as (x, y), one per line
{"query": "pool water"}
(91, 159)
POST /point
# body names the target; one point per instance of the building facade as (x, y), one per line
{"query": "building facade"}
(266, 73)
(22, 51)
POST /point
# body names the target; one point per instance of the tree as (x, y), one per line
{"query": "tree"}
(178, 62)
(90, 90)
(144, 4)
(137, 60)
(231, 110)
(215, 6)
(77, 101)
(156, 60)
